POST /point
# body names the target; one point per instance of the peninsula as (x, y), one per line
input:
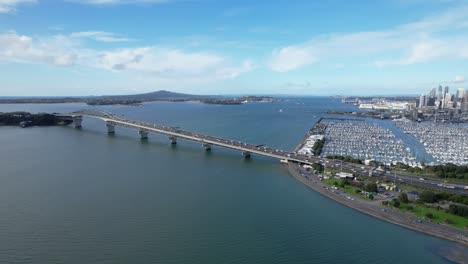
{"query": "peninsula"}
(25, 119)
(137, 99)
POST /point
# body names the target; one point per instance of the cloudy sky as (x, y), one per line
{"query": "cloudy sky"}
(95, 47)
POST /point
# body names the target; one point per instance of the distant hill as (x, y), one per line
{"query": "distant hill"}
(158, 95)
(136, 99)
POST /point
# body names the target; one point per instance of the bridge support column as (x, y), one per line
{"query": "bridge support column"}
(77, 121)
(173, 140)
(110, 128)
(143, 134)
(207, 146)
(246, 154)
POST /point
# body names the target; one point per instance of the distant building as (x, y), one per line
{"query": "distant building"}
(447, 101)
(465, 103)
(460, 97)
(422, 101)
(439, 95)
(344, 175)
(432, 93)
(413, 195)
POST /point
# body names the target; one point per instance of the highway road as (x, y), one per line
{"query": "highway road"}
(375, 209)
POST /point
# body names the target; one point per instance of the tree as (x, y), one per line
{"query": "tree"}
(403, 197)
(371, 196)
(371, 187)
(427, 197)
(429, 215)
(318, 167)
(395, 203)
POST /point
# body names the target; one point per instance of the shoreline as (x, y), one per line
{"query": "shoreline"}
(384, 213)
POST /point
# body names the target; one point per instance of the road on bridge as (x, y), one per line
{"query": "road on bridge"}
(247, 149)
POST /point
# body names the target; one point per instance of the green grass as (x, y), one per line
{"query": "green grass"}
(349, 189)
(438, 216)
(408, 187)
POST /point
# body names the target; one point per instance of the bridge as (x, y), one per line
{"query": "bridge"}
(174, 134)
(247, 149)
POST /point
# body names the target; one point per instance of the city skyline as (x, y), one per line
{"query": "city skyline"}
(208, 47)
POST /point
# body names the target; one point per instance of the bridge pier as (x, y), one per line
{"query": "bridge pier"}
(77, 121)
(207, 146)
(173, 140)
(143, 134)
(246, 154)
(110, 128)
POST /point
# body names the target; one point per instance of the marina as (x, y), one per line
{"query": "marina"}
(363, 140)
(446, 143)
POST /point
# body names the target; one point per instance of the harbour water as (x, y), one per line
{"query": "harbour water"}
(81, 196)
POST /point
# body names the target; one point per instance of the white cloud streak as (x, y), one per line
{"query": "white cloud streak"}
(9, 6)
(100, 36)
(438, 37)
(118, 2)
(458, 79)
(166, 63)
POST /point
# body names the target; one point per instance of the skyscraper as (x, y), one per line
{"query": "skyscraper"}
(465, 106)
(448, 101)
(460, 94)
(432, 94)
(444, 100)
(459, 97)
(422, 101)
(439, 95)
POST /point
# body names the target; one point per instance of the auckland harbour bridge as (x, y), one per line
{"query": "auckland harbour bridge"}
(174, 134)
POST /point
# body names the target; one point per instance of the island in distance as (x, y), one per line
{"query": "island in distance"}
(136, 99)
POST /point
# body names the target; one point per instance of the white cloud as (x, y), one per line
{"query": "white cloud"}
(20, 48)
(438, 37)
(166, 63)
(100, 36)
(292, 57)
(234, 72)
(459, 79)
(9, 6)
(115, 2)
(158, 60)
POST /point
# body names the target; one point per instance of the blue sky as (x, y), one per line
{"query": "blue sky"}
(96, 47)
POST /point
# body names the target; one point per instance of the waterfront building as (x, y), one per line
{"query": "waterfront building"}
(448, 101)
(439, 94)
(422, 101)
(465, 103)
(459, 98)
(432, 93)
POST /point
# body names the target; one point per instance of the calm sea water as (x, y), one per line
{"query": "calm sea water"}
(81, 196)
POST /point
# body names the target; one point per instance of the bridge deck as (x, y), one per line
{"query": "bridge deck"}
(192, 136)
(114, 120)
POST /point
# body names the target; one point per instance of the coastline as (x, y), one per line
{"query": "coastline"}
(388, 214)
